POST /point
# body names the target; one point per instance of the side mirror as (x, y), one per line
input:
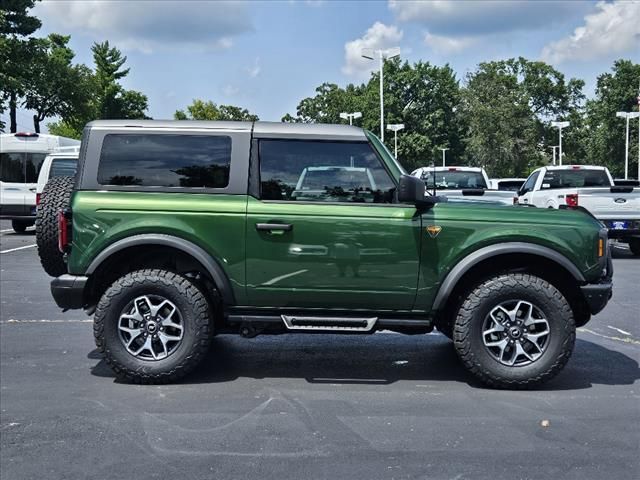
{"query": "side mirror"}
(412, 190)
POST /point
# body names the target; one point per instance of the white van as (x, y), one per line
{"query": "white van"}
(21, 156)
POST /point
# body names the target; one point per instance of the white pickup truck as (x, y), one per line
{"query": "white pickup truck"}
(469, 183)
(618, 207)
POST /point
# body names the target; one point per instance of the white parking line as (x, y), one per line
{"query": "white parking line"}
(19, 248)
(7, 230)
(633, 341)
(12, 320)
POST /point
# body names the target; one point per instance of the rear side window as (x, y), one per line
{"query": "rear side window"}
(63, 167)
(575, 179)
(165, 160)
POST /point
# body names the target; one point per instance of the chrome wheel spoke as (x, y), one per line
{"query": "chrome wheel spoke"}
(151, 327)
(516, 332)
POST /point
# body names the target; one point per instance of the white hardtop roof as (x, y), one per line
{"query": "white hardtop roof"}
(336, 167)
(29, 142)
(453, 168)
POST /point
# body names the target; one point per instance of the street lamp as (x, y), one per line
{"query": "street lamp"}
(553, 147)
(350, 116)
(368, 53)
(560, 126)
(629, 116)
(395, 128)
(443, 155)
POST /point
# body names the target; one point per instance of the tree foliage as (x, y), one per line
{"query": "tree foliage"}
(207, 110)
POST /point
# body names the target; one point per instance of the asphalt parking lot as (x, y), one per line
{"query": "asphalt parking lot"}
(307, 406)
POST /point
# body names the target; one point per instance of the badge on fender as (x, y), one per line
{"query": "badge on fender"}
(433, 230)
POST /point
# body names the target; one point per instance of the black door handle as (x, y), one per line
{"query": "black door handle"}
(283, 227)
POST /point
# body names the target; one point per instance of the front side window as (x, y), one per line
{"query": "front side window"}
(531, 182)
(165, 160)
(320, 171)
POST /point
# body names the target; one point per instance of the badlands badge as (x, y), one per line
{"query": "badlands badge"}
(433, 230)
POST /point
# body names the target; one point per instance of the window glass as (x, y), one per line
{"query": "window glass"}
(509, 185)
(63, 167)
(319, 171)
(531, 182)
(453, 179)
(199, 161)
(12, 167)
(33, 162)
(575, 179)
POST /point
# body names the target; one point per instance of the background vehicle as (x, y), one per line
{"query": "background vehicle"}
(316, 182)
(510, 184)
(21, 156)
(179, 230)
(63, 163)
(463, 182)
(591, 187)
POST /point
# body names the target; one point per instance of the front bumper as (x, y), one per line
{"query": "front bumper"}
(68, 291)
(597, 295)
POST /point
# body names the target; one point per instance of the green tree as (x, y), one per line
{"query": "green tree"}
(509, 106)
(207, 110)
(55, 86)
(16, 52)
(604, 133)
(106, 98)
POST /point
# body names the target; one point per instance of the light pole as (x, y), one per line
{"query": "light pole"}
(560, 126)
(628, 116)
(443, 156)
(553, 147)
(395, 128)
(350, 116)
(382, 54)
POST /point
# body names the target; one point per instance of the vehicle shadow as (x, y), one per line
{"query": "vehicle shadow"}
(380, 359)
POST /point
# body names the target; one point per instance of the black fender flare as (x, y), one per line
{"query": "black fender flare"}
(210, 264)
(468, 262)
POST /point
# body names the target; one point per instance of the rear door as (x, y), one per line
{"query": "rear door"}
(12, 187)
(349, 247)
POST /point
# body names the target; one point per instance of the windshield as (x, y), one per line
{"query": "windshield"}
(349, 179)
(453, 179)
(575, 179)
(63, 167)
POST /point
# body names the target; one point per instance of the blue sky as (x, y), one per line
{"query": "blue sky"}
(268, 55)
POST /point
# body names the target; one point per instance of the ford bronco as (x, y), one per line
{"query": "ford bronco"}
(176, 231)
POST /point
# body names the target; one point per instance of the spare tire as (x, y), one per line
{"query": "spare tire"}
(55, 197)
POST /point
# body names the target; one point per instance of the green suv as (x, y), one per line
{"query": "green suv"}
(177, 231)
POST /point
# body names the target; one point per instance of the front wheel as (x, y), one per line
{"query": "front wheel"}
(20, 226)
(153, 326)
(514, 331)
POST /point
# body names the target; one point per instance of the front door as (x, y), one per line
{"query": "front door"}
(325, 232)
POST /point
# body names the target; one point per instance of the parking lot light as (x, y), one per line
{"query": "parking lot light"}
(443, 156)
(560, 126)
(395, 128)
(628, 116)
(350, 116)
(369, 53)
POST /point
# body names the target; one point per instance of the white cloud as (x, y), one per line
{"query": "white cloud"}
(148, 26)
(471, 17)
(442, 44)
(613, 29)
(255, 69)
(230, 90)
(378, 36)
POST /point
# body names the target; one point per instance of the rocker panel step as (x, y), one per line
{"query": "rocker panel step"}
(298, 322)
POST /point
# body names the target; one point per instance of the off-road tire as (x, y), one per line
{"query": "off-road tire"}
(20, 226)
(56, 196)
(488, 294)
(634, 246)
(195, 312)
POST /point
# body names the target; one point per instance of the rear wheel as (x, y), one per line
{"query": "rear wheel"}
(634, 246)
(153, 326)
(56, 196)
(20, 226)
(514, 331)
